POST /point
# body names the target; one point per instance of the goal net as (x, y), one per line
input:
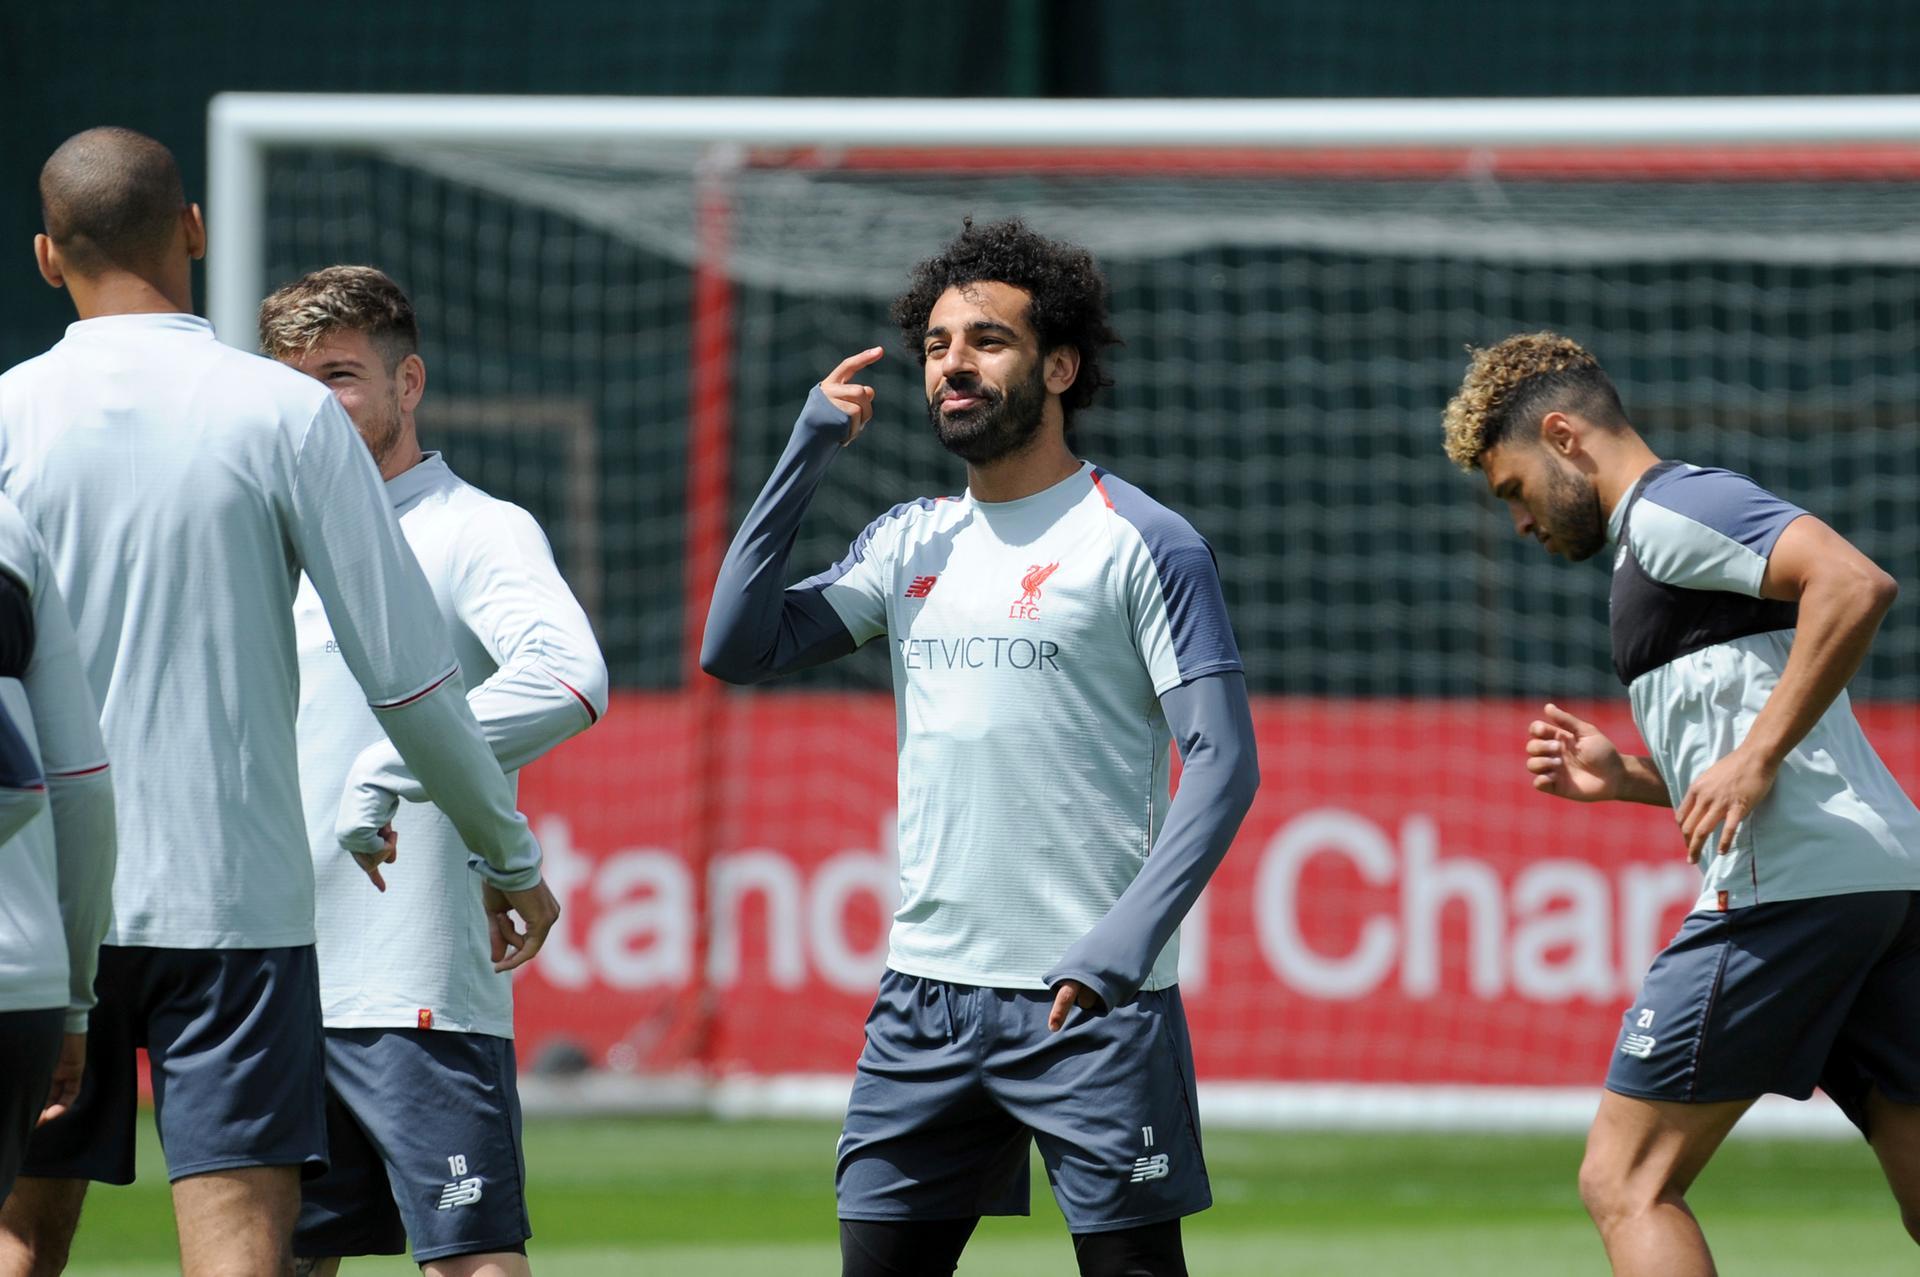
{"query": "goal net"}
(624, 303)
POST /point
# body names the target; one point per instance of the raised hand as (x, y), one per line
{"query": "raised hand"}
(1570, 758)
(853, 399)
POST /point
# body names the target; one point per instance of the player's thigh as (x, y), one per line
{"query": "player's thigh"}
(1111, 1102)
(29, 1049)
(903, 1248)
(1145, 1250)
(452, 1152)
(1894, 1132)
(923, 1139)
(349, 1208)
(1877, 1053)
(238, 1220)
(238, 1064)
(94, 1138)
(1752, 1000)
(1639, 1151)
(506, 1264)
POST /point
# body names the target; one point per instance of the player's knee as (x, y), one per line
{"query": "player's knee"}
(37, 1226)
(1603, 1190)
(33, 1255)
(1613, 1192)
(1151, 1250)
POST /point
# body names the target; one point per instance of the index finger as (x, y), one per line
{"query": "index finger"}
(1561, 718)
(854, 363)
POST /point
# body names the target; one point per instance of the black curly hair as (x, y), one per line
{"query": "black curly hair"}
(1069, 306)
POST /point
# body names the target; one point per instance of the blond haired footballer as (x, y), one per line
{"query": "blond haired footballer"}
(1737, 620)
(423, 1111)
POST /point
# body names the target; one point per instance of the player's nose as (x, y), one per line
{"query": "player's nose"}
(956, 359)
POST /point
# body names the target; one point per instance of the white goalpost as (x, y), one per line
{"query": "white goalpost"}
(244, 127)
(623, 297)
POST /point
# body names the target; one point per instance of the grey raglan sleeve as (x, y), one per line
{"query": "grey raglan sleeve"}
(756, 628)
(66, 719)
(1213, 723)
(23, 787)
(393, 638)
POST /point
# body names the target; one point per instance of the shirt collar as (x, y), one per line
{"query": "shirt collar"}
(430, 472)
(1049, 493)
(159, 321)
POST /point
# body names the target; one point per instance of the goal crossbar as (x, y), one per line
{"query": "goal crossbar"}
(243, 127)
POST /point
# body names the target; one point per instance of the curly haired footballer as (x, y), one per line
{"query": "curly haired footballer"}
(1069, 296)
(1510, 386)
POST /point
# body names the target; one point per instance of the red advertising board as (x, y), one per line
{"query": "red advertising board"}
(1400, 906)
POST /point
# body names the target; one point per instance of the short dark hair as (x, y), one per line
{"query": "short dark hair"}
(356, 298)
(1510, 386)
(1069, 306)
(110, 197)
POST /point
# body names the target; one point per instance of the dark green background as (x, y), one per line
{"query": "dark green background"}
(1292, 415)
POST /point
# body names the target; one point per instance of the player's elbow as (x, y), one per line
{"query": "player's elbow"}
(1881, 589)
(723, 660)
(1244, 776)
(593, 687)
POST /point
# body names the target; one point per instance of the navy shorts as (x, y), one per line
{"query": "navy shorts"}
(29, 1049)
(956, 1080)
(233, 1040)
(1781, 998)
(424, 1129)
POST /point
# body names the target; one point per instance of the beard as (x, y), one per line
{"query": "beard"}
(380, 430)
(1573, 515)
(1001, 424)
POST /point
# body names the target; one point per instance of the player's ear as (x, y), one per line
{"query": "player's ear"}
(47, 258)
(412, 374)
(196, 229)
(1062, 367)
(1559, 434)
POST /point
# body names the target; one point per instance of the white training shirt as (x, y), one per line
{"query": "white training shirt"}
(418, 955)
(56, 874)
(181, 486)
(1031, 642)
(1701, 652)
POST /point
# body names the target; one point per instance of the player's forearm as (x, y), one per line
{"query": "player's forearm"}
(1641, 782)
(524, 710)
(1840, 612)
(1213, 722)
(756, 628)
(443, 746)
(86, 850)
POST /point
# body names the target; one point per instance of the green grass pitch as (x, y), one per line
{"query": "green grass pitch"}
(701, 1198)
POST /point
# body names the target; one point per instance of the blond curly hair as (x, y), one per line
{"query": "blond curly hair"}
(1510, 384)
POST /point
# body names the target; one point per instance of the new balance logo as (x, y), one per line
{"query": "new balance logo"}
(461, 1192)
(1147, 1168)
(1638, 1045)
(921, 586)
